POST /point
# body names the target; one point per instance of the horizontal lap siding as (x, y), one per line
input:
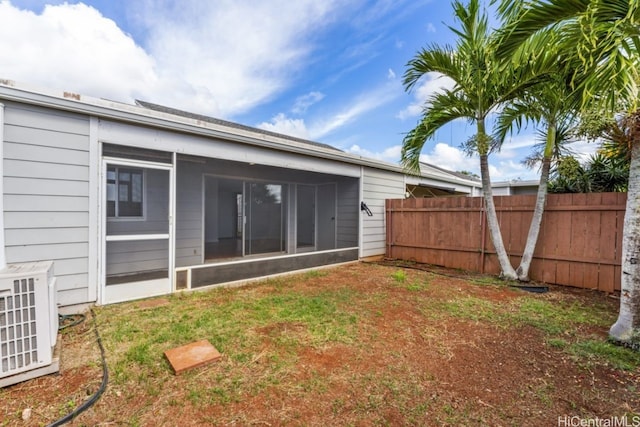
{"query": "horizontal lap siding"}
(46, 194)
(377, 186)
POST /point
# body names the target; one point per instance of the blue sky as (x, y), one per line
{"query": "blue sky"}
(330, 71)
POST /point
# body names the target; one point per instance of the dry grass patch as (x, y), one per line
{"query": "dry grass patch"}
(361, 344)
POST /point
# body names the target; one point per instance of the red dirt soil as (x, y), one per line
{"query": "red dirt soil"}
(408, 366)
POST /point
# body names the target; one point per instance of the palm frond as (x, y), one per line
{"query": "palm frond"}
(433, 58)
(524, 20)
(602, 36)
(443, 108)
(515, 115)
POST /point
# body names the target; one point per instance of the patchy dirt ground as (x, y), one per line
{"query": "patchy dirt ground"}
(418, 359)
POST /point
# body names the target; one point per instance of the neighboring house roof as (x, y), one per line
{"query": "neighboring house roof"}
(516, 183)
(176, 112)
(515, 187)
(428, 166)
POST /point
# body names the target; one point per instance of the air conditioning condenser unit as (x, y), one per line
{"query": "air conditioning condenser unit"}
(28, 322)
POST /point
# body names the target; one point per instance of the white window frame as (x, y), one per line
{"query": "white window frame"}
(144, 195)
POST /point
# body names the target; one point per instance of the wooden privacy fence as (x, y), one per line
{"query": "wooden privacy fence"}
(580, 240)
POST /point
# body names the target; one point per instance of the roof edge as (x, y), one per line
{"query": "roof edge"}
(134, 114)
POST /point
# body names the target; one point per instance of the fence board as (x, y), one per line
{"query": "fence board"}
(579, 243)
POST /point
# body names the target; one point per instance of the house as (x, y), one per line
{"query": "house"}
(515, 187)
(132, 201)
(442, 183)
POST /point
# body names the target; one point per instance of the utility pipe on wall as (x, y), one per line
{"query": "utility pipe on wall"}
(3, 257)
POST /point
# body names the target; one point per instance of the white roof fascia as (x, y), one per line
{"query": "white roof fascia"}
(516, 183)
(441, 175)
(76, 103)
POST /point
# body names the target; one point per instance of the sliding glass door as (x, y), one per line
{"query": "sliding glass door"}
(305, 217)
(265, 218)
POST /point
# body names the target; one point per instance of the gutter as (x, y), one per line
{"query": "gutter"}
(133, 114)
(76, 103)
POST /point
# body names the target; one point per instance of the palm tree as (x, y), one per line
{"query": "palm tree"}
(482, 85)
(546, 104)
(604, 35)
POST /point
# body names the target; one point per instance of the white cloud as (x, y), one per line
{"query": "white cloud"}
(318, 127)
(431, 28)
(509, 170)
(73, 47)
(513, 147)
(360, 105)
(237, 53)
(383, 12)
(390, 154)
(305, 101)
(219, 58)
(287, 126)
(450, 158)
(391, 75)
(454, 159)
(583, 150)
(429, 85)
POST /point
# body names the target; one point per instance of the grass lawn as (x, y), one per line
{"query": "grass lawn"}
(361, 344)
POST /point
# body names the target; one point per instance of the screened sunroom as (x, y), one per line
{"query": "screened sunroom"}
(132, 201)
(178, 222)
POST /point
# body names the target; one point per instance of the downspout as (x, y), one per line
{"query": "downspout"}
(3, 255)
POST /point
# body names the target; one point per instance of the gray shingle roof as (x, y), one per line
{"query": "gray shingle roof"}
(456, 174)
(182, 113)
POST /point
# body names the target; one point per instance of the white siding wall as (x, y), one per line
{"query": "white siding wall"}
(501, 191)
(46, 194)
(377, 186)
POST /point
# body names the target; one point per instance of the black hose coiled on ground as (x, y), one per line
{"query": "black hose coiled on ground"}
(103, 386)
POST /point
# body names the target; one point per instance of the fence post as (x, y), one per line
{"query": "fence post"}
(483, 225)
(388, 220)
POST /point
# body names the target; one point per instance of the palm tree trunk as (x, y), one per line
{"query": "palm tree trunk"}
(492, 221)
(627, 328)
(534, 228)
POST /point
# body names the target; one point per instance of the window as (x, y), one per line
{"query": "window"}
(124, 192)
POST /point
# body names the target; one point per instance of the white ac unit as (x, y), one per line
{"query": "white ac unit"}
(28, 322)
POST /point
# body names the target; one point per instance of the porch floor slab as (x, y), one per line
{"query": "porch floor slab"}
(191, 356)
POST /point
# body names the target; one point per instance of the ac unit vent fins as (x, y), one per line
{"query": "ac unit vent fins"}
(18, 327)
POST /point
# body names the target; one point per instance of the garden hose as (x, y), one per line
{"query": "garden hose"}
(105, 374)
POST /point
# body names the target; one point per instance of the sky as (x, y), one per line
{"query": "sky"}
(329, 71)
